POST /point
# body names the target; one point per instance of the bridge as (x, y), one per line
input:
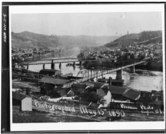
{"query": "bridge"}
(62, 58)
(97, 74)
(53, 61)
(86, 75)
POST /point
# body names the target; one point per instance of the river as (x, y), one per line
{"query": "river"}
(136, 81)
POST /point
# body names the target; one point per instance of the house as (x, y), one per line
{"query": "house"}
(123, 93)
(53, 86)
(78, 88)
(100, 92)
(23, 101)
(54, 81)
(96, 85)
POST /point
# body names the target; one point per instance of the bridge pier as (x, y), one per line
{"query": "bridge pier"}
(80, 63)
(52, 65)
(119, 75)
(27, 66)
(60, 64)
(132, 69)
(110, 80)
(74, 64)
(43, 66)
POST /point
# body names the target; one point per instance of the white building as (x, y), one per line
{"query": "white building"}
(23, 101)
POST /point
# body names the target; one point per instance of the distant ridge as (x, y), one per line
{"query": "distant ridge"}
(28, 39)
(130, 39)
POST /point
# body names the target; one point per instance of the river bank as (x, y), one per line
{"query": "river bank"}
(151, 66)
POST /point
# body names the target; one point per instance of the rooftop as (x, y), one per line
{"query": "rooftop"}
(18, 96)
(126, 92)
(54, 81)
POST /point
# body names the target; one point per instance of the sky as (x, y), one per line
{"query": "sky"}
(95, 24)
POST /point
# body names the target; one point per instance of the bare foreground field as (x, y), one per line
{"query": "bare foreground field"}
(38, 117)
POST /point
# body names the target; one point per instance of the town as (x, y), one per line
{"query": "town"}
(93, 96)
(34, 54)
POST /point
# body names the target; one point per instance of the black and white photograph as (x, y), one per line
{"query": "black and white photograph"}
(91, 64)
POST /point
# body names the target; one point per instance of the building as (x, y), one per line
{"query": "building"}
(23, 101)
(124, 93)
(53, 86)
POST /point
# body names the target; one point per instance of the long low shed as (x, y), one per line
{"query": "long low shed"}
(54, 81)
(125, 92)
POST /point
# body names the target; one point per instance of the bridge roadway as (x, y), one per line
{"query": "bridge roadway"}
(62, 58)
(49, 61)
(98, 74)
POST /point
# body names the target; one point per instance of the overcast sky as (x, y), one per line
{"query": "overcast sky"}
(98, 24)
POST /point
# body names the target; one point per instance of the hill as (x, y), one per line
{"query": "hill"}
(136, 38)
(138, 46)
(30, 40)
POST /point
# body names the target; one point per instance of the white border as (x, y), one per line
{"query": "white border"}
(86, 9)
